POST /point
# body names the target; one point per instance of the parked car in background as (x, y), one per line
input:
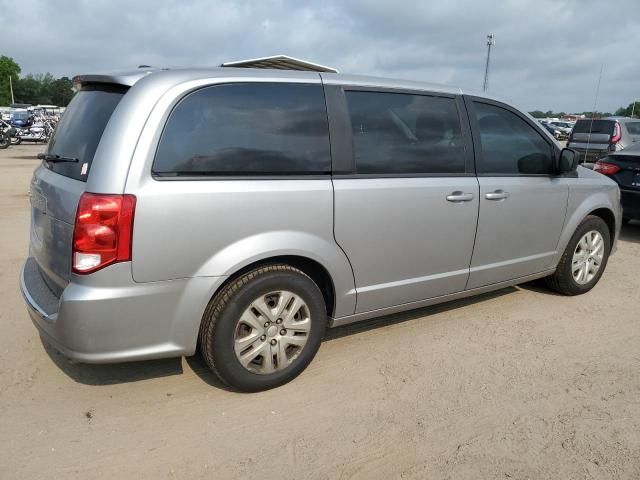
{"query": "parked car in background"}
(596, 138)
(624, 168)
(242, 212)
(564, 127)
(557, 132)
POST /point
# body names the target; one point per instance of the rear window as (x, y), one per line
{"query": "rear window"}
(633, 128)
(80, 129)
(247, 129)
(594, 126)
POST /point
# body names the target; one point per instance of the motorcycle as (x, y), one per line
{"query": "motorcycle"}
(10, 132)
(5, 134)
(40, 131)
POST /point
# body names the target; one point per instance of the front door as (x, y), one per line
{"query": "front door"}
(522, 203)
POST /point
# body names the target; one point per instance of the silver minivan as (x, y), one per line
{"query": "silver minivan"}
(243, 211)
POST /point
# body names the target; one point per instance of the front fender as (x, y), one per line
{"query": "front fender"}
(263, 246)
(582, 201)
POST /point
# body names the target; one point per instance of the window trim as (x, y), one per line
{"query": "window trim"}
(174, 176)
(341, 133)
(554, 151)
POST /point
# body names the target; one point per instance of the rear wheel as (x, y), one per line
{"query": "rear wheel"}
(264, 328)
(584, 260)
(4, 141)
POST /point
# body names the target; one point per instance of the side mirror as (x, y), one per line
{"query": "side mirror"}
(535, 164)
(568, 161)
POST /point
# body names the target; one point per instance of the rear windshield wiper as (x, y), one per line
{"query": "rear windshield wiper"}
(56, 158)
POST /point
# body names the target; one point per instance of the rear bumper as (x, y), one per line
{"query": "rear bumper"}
(588, 154)
(106, 317)
(630, 201)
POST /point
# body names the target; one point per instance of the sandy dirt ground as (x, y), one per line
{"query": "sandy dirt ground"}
(519, 384)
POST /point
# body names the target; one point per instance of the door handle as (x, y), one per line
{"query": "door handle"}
(497, 195)
(458, 196)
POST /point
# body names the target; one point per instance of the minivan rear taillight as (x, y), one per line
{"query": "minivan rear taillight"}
(617, 134)
(102, 232)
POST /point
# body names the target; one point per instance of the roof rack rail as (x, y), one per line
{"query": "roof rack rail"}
(280, 62)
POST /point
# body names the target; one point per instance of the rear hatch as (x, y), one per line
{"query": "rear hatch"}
(594, 135)
(56, 186)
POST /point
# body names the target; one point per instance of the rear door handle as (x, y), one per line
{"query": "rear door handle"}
(458, 196)
(497, 195)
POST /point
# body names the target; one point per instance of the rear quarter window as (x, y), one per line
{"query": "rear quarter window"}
(247, 129)
(81, 127)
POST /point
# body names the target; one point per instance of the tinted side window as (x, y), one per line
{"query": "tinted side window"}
(633, 128)
(402, 133)
(509, 144)
(243, 129)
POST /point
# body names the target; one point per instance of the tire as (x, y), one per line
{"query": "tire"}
(4, 141)
(563, 280)
(222, 331)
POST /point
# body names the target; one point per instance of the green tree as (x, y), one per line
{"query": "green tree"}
(43, 89)
(27, 90)
(61, 91)
(629, 110)
(8, 68)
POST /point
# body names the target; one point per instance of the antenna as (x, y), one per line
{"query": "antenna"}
(490, 43)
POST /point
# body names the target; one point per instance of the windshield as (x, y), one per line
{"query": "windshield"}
(80, 129)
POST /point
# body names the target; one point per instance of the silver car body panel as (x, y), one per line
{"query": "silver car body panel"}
(589, 191)
(191, 235)
(537, 205)
(405, 241)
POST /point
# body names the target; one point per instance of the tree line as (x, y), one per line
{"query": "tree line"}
(40, 89)
(631, 110)
(45, 89)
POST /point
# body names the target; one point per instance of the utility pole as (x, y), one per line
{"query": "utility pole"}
(633, 109)
(490, 42)
(11, 88)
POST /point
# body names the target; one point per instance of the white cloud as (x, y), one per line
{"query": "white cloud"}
(547, 55)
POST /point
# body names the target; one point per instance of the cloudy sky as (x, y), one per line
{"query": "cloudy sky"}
(548, 54)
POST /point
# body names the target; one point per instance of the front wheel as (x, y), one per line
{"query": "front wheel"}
(264, 328)
(4, 141)
(584, 260)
